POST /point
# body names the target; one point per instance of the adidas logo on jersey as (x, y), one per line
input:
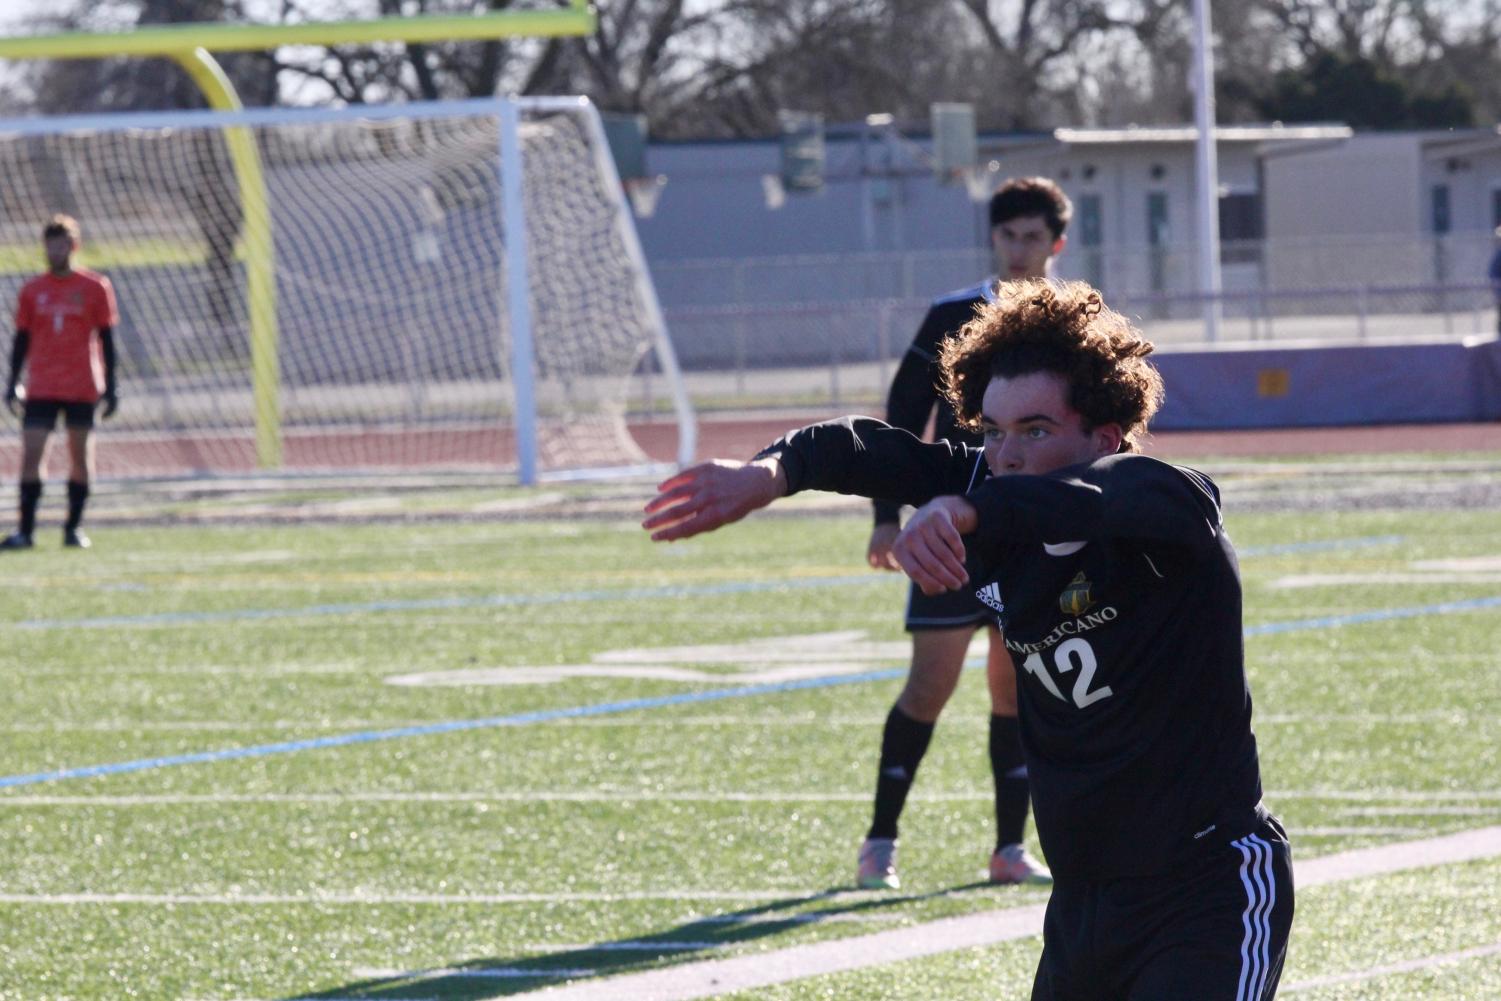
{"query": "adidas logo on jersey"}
(990, 595)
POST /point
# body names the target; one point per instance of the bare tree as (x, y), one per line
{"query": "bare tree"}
(725, 67)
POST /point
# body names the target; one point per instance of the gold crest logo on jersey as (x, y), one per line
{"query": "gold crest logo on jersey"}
(1076, 599)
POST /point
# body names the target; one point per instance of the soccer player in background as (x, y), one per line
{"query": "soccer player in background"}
(64, 338)
(1119, 595)
(1028, 219)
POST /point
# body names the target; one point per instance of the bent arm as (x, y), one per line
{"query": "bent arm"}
(913, 394)
(1123, 496)
(866, 457)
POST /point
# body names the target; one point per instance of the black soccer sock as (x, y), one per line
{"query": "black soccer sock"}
(903, 744)
(31, 495)
(1010, 771)
(78, 496)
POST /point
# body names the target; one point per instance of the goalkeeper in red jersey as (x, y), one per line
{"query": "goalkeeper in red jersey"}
(65, 320)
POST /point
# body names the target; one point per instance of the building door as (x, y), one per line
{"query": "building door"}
(1092, 237)
(1159, 236)
(1439, 220)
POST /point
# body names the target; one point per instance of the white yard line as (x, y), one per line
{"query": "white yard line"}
(378, 899)
(539, 796)
(1392, 969)
(1426, 803)
(1315, 983)
(744, 973)
(676, 722)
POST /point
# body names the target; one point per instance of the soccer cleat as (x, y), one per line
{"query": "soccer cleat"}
(878, 865)
(19, 540)
(75, 539)
(1013, 864)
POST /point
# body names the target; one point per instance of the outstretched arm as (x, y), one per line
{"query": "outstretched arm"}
(711, 495)
(853, 455)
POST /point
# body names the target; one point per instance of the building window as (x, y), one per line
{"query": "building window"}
(1241, 227)
(1240, 216)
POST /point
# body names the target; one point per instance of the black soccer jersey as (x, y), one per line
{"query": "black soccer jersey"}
(1119, 596)
(914, 389)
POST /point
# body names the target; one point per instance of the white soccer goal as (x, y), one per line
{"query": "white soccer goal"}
(455, 285)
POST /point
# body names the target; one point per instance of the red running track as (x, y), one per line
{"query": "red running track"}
(728, 437)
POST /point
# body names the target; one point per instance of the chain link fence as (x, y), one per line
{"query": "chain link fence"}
(826, 332)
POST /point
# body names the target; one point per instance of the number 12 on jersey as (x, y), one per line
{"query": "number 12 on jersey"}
(1071, 654)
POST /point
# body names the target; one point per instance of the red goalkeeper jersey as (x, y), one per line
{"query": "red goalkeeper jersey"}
(63, 317)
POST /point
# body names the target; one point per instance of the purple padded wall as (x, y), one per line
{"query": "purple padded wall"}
(1330, 386)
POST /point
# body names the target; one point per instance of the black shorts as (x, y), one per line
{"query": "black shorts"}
(1214, 930)
(43, 414)
(949, 610)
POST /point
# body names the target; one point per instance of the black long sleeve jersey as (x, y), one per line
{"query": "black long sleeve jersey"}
(914, 389)
(1119, 595)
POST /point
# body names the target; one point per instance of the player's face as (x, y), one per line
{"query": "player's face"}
(1024, 247)
(1030, 428)
(59, 251)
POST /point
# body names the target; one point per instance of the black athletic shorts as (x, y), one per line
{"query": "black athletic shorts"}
(43, 414)
(949, 610)
(1214, 930)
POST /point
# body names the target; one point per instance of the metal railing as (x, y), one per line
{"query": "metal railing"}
(840, 355)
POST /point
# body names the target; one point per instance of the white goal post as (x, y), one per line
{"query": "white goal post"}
(446, 286)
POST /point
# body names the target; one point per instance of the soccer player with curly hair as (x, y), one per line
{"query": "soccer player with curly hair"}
(1118, 591)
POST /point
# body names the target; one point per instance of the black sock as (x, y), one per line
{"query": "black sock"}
(31, 495)
(1010, 771)
(903, 744)
(78, 496)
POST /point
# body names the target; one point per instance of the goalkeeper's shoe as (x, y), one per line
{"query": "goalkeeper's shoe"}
(878, 865)
(1013, 864)
(74, 539)
(19, 540)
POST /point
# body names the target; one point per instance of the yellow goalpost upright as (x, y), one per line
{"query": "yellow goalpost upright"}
(191, 45)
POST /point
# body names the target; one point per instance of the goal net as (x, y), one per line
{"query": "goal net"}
(455, 286)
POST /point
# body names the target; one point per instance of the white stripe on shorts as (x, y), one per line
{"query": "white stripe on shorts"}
(1261, 896)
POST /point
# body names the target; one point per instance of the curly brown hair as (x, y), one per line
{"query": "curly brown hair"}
(1043, 325)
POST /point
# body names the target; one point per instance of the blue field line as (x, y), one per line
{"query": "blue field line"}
(659, 702)
(563, 597)
(477, 601)
(452, 726)
(1382, 615)
(1322, 545)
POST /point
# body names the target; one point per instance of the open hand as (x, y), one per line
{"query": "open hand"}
(710, 495)
(930, 549)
